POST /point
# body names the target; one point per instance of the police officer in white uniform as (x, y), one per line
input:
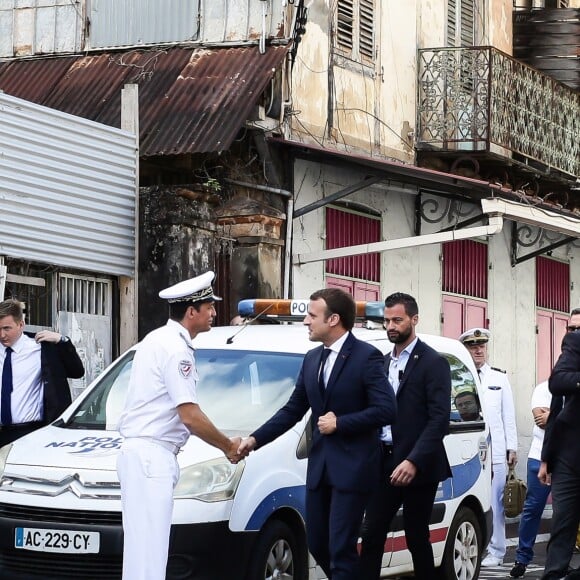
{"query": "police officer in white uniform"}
(500, 414)
(160, 414)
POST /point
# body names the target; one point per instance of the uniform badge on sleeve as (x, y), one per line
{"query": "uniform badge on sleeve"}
(185, 367)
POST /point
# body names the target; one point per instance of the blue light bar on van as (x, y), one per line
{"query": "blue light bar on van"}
(298, 309)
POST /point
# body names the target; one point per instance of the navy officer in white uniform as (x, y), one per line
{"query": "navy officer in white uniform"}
(160, 414)
(501, 416)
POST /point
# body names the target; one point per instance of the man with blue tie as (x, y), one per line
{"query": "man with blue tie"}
(35, 368)
(414, 459)
(344, 384)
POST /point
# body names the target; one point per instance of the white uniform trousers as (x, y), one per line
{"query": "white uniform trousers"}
(148, 474)
(497, 545)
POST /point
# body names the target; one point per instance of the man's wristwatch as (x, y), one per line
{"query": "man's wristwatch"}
(64, 339)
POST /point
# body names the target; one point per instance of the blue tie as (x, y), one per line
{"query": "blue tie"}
(5, 405)
(321, 384)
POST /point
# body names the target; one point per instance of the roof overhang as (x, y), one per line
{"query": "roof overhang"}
(191, 99)
(533, 216)
(498, 203)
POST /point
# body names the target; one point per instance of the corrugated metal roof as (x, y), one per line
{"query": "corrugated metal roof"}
(191, 100)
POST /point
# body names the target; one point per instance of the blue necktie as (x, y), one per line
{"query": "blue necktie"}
(5, 405)
(321, 384)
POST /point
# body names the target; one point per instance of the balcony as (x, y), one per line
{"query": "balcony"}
(482, 105)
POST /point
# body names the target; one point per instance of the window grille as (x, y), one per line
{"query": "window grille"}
(84, 295)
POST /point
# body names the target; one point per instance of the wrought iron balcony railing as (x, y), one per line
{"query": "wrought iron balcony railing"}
(472, 99)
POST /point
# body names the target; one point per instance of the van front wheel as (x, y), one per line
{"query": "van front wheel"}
(463, 548)
(278, 554)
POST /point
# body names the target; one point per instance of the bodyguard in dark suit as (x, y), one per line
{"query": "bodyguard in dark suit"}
(34, 386)
(344, 384)
(561, 452)
(414, 458)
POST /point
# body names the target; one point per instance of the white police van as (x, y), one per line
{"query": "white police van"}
(60, 512)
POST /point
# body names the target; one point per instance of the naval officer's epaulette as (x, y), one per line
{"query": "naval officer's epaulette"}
(498, 370)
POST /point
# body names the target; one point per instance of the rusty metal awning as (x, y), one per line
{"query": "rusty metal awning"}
(191, 100)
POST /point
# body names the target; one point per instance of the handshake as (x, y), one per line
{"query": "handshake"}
(239, 448)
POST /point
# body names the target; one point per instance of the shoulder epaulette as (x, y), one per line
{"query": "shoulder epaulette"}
(498, 370)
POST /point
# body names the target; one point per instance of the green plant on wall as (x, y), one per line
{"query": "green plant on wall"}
(213, 185)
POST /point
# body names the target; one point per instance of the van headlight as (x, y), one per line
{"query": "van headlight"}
(215, 480)
(4, 451)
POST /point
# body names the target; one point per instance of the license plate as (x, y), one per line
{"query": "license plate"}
(62, 541)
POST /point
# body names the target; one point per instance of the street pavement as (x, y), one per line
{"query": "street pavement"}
(536, 569)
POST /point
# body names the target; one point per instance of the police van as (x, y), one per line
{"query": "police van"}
(60, 509)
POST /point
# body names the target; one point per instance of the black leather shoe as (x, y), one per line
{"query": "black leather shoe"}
(518, 570)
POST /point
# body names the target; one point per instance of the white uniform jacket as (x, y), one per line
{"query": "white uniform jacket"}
(501, 416)
(163, 376)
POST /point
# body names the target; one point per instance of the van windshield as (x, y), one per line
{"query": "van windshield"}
(238, 390)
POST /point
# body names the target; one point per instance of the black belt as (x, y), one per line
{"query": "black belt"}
(17, 426)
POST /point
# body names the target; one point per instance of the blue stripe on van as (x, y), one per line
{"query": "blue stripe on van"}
(292, 497)
(463, 479)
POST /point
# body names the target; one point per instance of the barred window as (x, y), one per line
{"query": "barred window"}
(84, 295)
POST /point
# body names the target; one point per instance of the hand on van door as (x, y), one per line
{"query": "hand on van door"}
(246, 445)
(404, 473)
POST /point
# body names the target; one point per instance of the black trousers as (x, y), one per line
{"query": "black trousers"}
(565, 518)
(417, 502)
(333, 520)
(9, 433)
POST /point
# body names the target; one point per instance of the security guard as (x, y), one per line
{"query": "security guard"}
(499, 406)
(160, 413)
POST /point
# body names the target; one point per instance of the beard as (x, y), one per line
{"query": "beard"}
(398, 337)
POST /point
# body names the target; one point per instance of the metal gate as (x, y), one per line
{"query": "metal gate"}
(84, 312)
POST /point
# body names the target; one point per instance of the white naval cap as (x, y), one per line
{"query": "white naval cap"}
(475, 336)
(196, 289)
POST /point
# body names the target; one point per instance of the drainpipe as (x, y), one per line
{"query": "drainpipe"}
(494, 227)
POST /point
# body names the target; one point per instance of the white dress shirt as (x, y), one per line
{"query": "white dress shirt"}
(334, 350)
(397, 368)
(27, 388)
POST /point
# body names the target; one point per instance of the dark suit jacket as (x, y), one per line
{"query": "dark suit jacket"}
(58, 362)
(359, 394)
(423, 411)
(562, 437)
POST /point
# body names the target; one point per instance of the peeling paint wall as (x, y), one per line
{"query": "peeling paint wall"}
(371, 105)
(177, 238)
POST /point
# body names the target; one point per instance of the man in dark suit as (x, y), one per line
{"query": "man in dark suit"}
(414, 459)
(344, 384)
(561, 455)
(35, 367)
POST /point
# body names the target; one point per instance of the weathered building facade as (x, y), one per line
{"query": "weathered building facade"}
(426, 125)
(376, 146)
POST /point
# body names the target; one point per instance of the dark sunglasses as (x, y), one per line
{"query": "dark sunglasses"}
(573, 328)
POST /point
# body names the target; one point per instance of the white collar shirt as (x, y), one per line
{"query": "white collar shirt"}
(335, 348)
(26, 401)
(397, 366)
(163, 376)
